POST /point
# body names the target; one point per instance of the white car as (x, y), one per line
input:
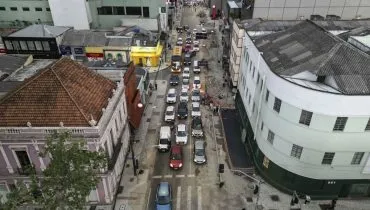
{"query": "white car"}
(204, 30)
(171, 96)
(170, 114)
(196, 47)
(194, 31)
(195, 109)
(181, 134)
(186, 73)
(185, 84)
(195, 95)
(184, 96)
(196, 67)
(196, 83)
(195, 42)
(179, 41)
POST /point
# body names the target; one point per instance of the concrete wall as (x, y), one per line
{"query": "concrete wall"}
(318, 137)
(72, 13)
(295, 9)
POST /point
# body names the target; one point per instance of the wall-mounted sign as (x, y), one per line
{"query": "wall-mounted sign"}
(78, 50)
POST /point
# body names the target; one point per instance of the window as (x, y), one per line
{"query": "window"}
(146, 11)
(112, 136)
(23, 45)
(305, 118)
(267, 95)
(261, 84)
(117, 127)
(133, 10)
(328, 158)
(258, 78)
(250, 66)
(246, 57)
(23, 159)
(254, 71)
(13, 8)
(30, 45)
(38, 9)
(25, 8)
(46, 46)
(367, 128)
(296, 151)
(8, 45)
(119, 10)
(262, 126)
(277, 105)
(47, 9)
(2, 9)
(340, 123)
(266, 162)
(38, 45)
(246, 93)
(249, 99)
(271, 136)
(78, 50)
(254, 106)
(357, 157)
(163, 9)
(16, 45)
(105, 11)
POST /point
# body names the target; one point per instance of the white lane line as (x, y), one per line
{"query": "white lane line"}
(191, 175)
(180, 176)
(199, 191)
(189, 198)
(148, 200)
(157, 177)
(168, 176)
(178, 198)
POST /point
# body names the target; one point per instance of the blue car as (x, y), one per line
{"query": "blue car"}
(163, 198)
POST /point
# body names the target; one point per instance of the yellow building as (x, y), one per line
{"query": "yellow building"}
(145, 55)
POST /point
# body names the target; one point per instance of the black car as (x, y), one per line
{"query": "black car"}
(187, 59)
(188, 41)
(182, 110)
(174, 80)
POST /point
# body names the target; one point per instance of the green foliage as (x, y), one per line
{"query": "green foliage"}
(68, 179)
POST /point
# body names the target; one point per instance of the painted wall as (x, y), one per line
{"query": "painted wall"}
(66, 12)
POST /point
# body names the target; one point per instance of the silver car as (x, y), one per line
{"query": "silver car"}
(195, 109)
(195, 95)
(199, 152)
(184, 96)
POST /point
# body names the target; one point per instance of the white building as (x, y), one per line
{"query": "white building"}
(304, 98)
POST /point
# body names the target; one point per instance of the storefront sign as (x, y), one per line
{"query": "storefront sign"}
(95, 55)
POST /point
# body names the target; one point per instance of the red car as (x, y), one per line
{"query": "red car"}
(187, 48)
(175, 161)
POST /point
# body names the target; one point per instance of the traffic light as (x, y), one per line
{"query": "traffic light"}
(256, 189)
(221, 168)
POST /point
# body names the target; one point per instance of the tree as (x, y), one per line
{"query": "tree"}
(68, 179)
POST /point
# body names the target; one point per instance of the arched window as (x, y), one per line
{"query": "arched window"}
(119, 57)
(109, 56)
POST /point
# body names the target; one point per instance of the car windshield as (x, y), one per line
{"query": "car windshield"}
(196, 81)
(174, 78)
(175, 156)
(196, 109)
(181, 133)
(186, 72)
(163, 141)
(184, 94)
(199, 152)
(171, 95)
(195, 93)
(197, 125)
(169, 113)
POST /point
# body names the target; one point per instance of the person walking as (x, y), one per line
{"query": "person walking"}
(155, 86)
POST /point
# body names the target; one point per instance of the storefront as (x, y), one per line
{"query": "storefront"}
(94, 53)
(146, 56)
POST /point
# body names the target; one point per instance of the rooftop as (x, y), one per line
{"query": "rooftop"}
(40, 31)
(10, 63)
(64, 91)
(307, 48)
(6, 86)
(29, 70)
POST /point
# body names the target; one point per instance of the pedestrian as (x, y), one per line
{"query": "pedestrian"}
(150, 86)
(155, 86)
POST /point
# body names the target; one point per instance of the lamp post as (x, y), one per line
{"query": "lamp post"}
(135, 162)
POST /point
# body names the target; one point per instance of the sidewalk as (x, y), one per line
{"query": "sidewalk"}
(133, 196)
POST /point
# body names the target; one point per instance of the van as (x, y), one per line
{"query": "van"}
(164, 142)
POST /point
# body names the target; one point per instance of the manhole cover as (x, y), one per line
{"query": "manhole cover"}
(155, 113)
(148, 120)
(274, 197)
(249, 199)
(160, 96)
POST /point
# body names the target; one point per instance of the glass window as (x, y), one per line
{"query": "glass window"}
(23, 45)
(146, 11)
(267, 95)
(133, 10)
(38, 45)
(38, 9)
(305, 118)
(277, 105)
(254, 107)
(2, 9)
(25, 8)
(46, 45)
(271, 137)
(105, 11)
(163, 9)
(8, 45)
(340, 123)
(328, 158)
(119, 10)
(16, 45)
(367, 128)
(258, 78)
(13, 8)
(78, 50)
(262, 126)
(296, 151)
(357, 157)
(48, 9)
(30, 45)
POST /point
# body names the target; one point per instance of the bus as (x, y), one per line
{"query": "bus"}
(176, 59)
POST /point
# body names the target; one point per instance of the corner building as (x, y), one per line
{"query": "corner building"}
(304, 98)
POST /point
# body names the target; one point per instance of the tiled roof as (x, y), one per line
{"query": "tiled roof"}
(306, 47)
(65, 91)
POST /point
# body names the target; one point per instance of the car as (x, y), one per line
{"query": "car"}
(195, 95)
(163, 198)
(179, 41)
(196, 67)
(181, 134)
(171, 96)
(186, 73)
(197, 127)
(196, 47)
(182, 110)
(195, 109)
(199, 152)
(174, 79)
(187, 48)
(184, 96)
(204, 30)
(175, 160)
(188, 35)
(196, 42)
(170, 114)
(188, 40)
(185, 84)
(195, 31)
(186, 28)
(196, 83)
(164, 141)
(187, 59)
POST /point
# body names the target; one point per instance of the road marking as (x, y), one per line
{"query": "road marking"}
(157, 177)
(199, 198)
(191, 175)
(168, 176)
(178, 198)
(180, 176)
(189, 197)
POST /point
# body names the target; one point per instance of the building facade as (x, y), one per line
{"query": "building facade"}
(91, 108)
(303, 98)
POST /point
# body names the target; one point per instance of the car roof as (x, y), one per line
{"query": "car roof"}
(186, 68)
(172, 90)
(196, 78)
(196, 104)
(163, 189)
(181, 127)
(199, 144)
(170, 108)
(184, 91)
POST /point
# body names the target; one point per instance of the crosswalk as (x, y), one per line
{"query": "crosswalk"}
(188, 197)
(169, 176)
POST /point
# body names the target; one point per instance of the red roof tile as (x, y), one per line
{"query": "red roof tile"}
(65, 91)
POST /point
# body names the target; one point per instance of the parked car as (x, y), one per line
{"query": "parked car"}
(196, 67)
(184, 96)
(200, 152)
(187, 59)
(174, 79)
(186, 73)
(185, 84)
(181, 134)
(195, 109)
(164, 141)
(196, 47)
(195, 95)
(197, 127)
(196, 83)
(175, 161)
(170, 114)
(182, 110)
(171, 96)
(163, 198)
